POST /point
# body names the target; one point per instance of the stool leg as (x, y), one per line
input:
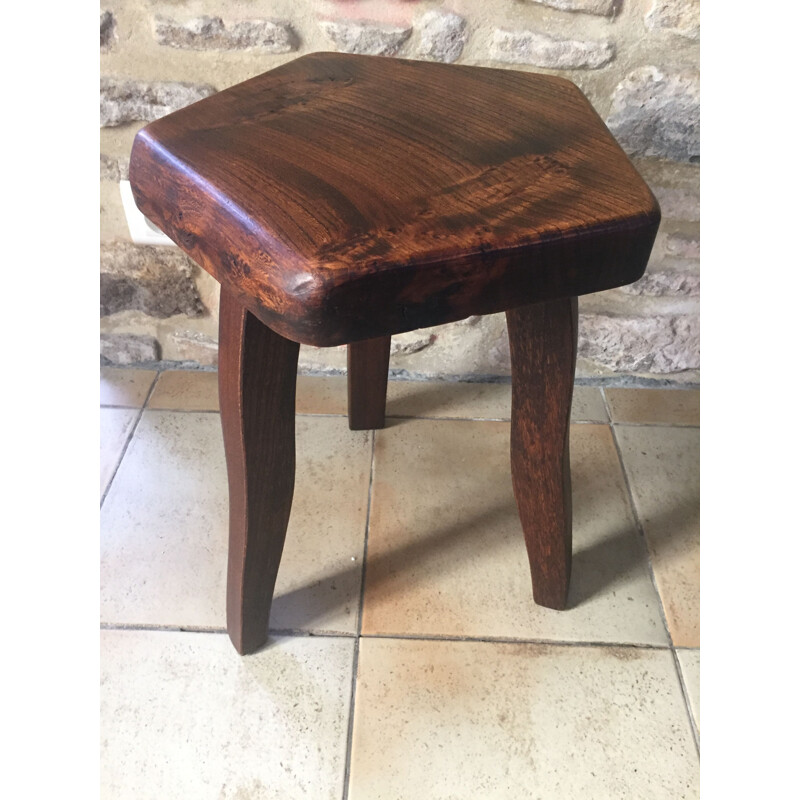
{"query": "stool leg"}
(543, 342)
(257, 378)
(367, 376)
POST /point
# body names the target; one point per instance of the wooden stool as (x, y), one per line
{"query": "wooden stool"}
(340, 199)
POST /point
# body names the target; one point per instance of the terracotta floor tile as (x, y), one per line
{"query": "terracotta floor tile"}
(125, 387)
(446, 549)
(184, 716)
(690, 666)
(664, 472)
(321, 395)
(439, 719)
(654, 406)
(115, 426)
(443, 399)
(186, 390)
(164, 527)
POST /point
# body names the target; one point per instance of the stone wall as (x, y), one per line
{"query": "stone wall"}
(636, 60)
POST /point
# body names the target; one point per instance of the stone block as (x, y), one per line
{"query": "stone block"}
(108, 31)
(194, 346)
(123, 349)
(540, 50)
(442, 36)
(657, 114)
(157, 281)
(411, 342)
(113, 169)
(665, 284)
(676, 244)
(365, 38)
(679, 203)
(681, 17)
(602, 8)
(658, 344)
(123, 101)
(211, 33)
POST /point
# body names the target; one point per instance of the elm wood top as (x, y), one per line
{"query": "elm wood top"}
(344, 197)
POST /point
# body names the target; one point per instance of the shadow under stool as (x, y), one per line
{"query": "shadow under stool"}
(340, 199)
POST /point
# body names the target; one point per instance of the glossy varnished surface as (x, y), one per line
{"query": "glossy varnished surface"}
(345, 197)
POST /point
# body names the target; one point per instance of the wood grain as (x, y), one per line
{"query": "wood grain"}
(543, 342)
(367, 378)
(342, 197)
(257, 378)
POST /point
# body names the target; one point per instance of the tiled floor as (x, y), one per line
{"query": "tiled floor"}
(426, 671)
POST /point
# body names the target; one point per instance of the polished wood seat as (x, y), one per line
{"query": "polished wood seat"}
(341, 199)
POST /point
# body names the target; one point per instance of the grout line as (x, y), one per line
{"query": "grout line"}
(351, 716)
(411, 416)
(144, 626)
(510, 640)
(640, 528)
(128, 440)
(295, 632)
(301, 633)
(655, 425)
(686, 700)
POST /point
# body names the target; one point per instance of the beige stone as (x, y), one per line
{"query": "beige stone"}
(195, 347)
(675, 16)
(123, 101)
(541, 50)
(442, 36)
(666, 282)
(657, 344)
(159, 281)
(604, 8)
(664, 473)
(366, 38)
(211, 33)
(446, 550)
(656, 113)
(122, 349)
(183, 715)
(442, 720)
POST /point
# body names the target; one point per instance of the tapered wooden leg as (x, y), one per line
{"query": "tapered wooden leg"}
(367, 376)
(543, 341)
(257, 379)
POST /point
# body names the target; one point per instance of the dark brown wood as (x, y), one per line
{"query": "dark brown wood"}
(342, 197)
(543, 341)
(257, 379)
(367, 377)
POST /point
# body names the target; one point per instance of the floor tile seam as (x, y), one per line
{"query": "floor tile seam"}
(301, 633)
(388, 416)
(686, 701)
(354, 677)
(138, 406)
(513, 640)
(623, 424)
(288, 632)
(128, 440)
(640, 528)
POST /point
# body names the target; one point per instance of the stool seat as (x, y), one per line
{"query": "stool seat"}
(341, 197)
